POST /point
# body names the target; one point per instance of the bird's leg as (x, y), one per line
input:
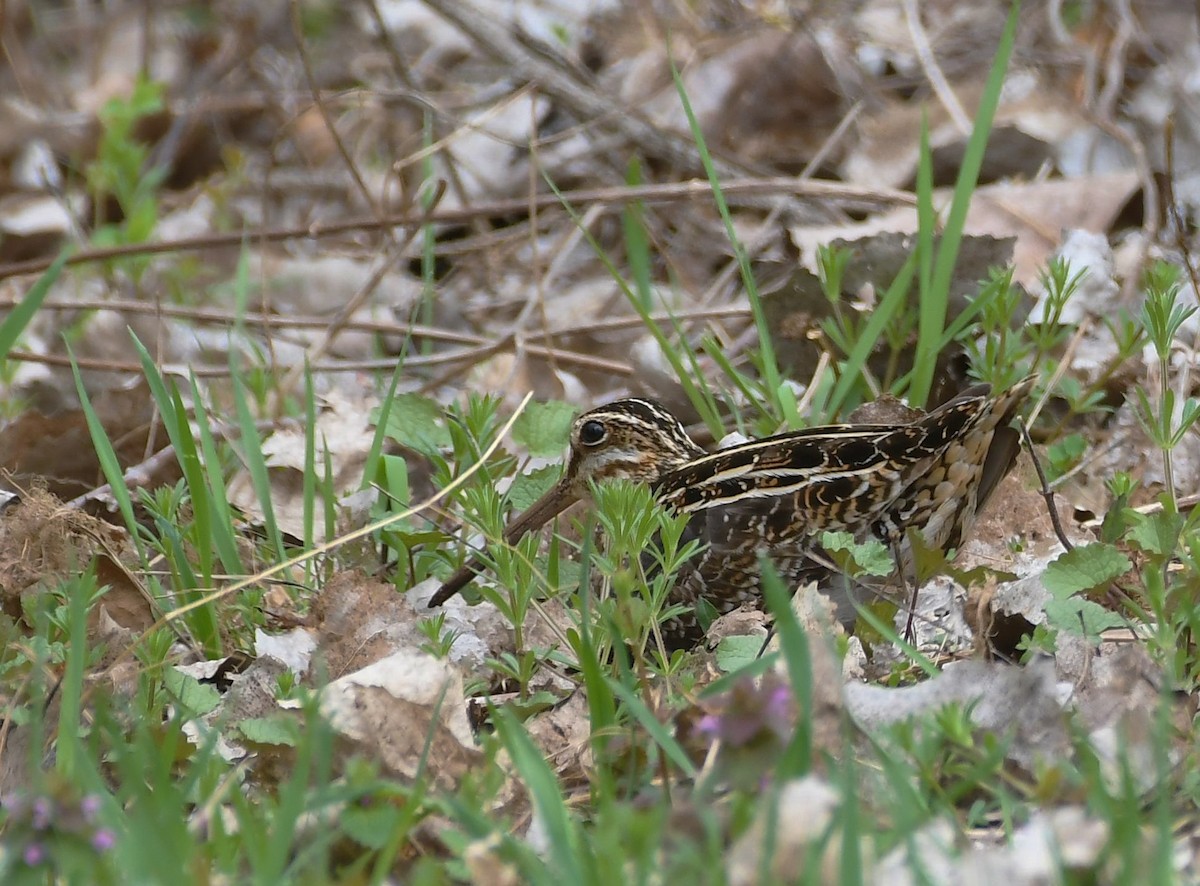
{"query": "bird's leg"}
(1047, 492)
(909, 628)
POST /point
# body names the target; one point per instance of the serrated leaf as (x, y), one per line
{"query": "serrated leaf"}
(871, 556)
(1080, 616)
(196, 697)
(544, 428)
(528, 488)
(1084, 568)
(1156, 533)
(418, 423)
(278, 729)
(734, 653)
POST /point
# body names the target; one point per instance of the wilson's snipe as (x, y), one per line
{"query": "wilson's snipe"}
(780, 493)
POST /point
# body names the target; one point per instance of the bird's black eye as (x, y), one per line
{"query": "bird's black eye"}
(592, 433)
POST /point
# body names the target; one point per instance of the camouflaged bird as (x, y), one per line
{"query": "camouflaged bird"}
(778, 494)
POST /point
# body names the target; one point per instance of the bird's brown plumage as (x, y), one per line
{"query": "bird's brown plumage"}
(778, 494)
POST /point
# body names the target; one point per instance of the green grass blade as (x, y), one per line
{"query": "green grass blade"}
(770, 365)
(637, 244)
(601, 705)
(107, 456)
(69, 748)
(740, 380)
(212, 526)
(221, 518)
(653, 727)
(793, 641)
(932, 317)
(329, 499)
(931, 306)
(888, 631)
(310, 458)
(546, 796)
(850, 816)
(891, 303)
(158, 387)
(371, 468)
(699, 394)
(193, 472)
(252, 458)
(20, 316)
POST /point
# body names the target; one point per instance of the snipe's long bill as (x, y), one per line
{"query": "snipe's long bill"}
(780, 493)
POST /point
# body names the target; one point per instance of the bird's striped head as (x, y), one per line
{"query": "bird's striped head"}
(631, 439)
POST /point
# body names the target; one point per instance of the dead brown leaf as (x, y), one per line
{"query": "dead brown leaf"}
(359, 620)
(408, 712)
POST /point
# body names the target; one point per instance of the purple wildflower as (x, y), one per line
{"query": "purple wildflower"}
(42, 810)
(750, 712)
(709, 726)
(34, 854)
(778, 709)
(103, 840)
(89, 806)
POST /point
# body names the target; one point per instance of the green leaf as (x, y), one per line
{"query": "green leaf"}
(544, 428)
(278, 729)
(1084, 568)
(871, 556)
(373, 827)
(197, 697)
(418, 423)
(1065, 454)
(738, 652)
(1156, 533)
(528, 488)
(1077, 615)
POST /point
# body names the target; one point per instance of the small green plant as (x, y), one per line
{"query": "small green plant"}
(121, 168)
(1166, 421)
(643, 553)
(439, 640)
